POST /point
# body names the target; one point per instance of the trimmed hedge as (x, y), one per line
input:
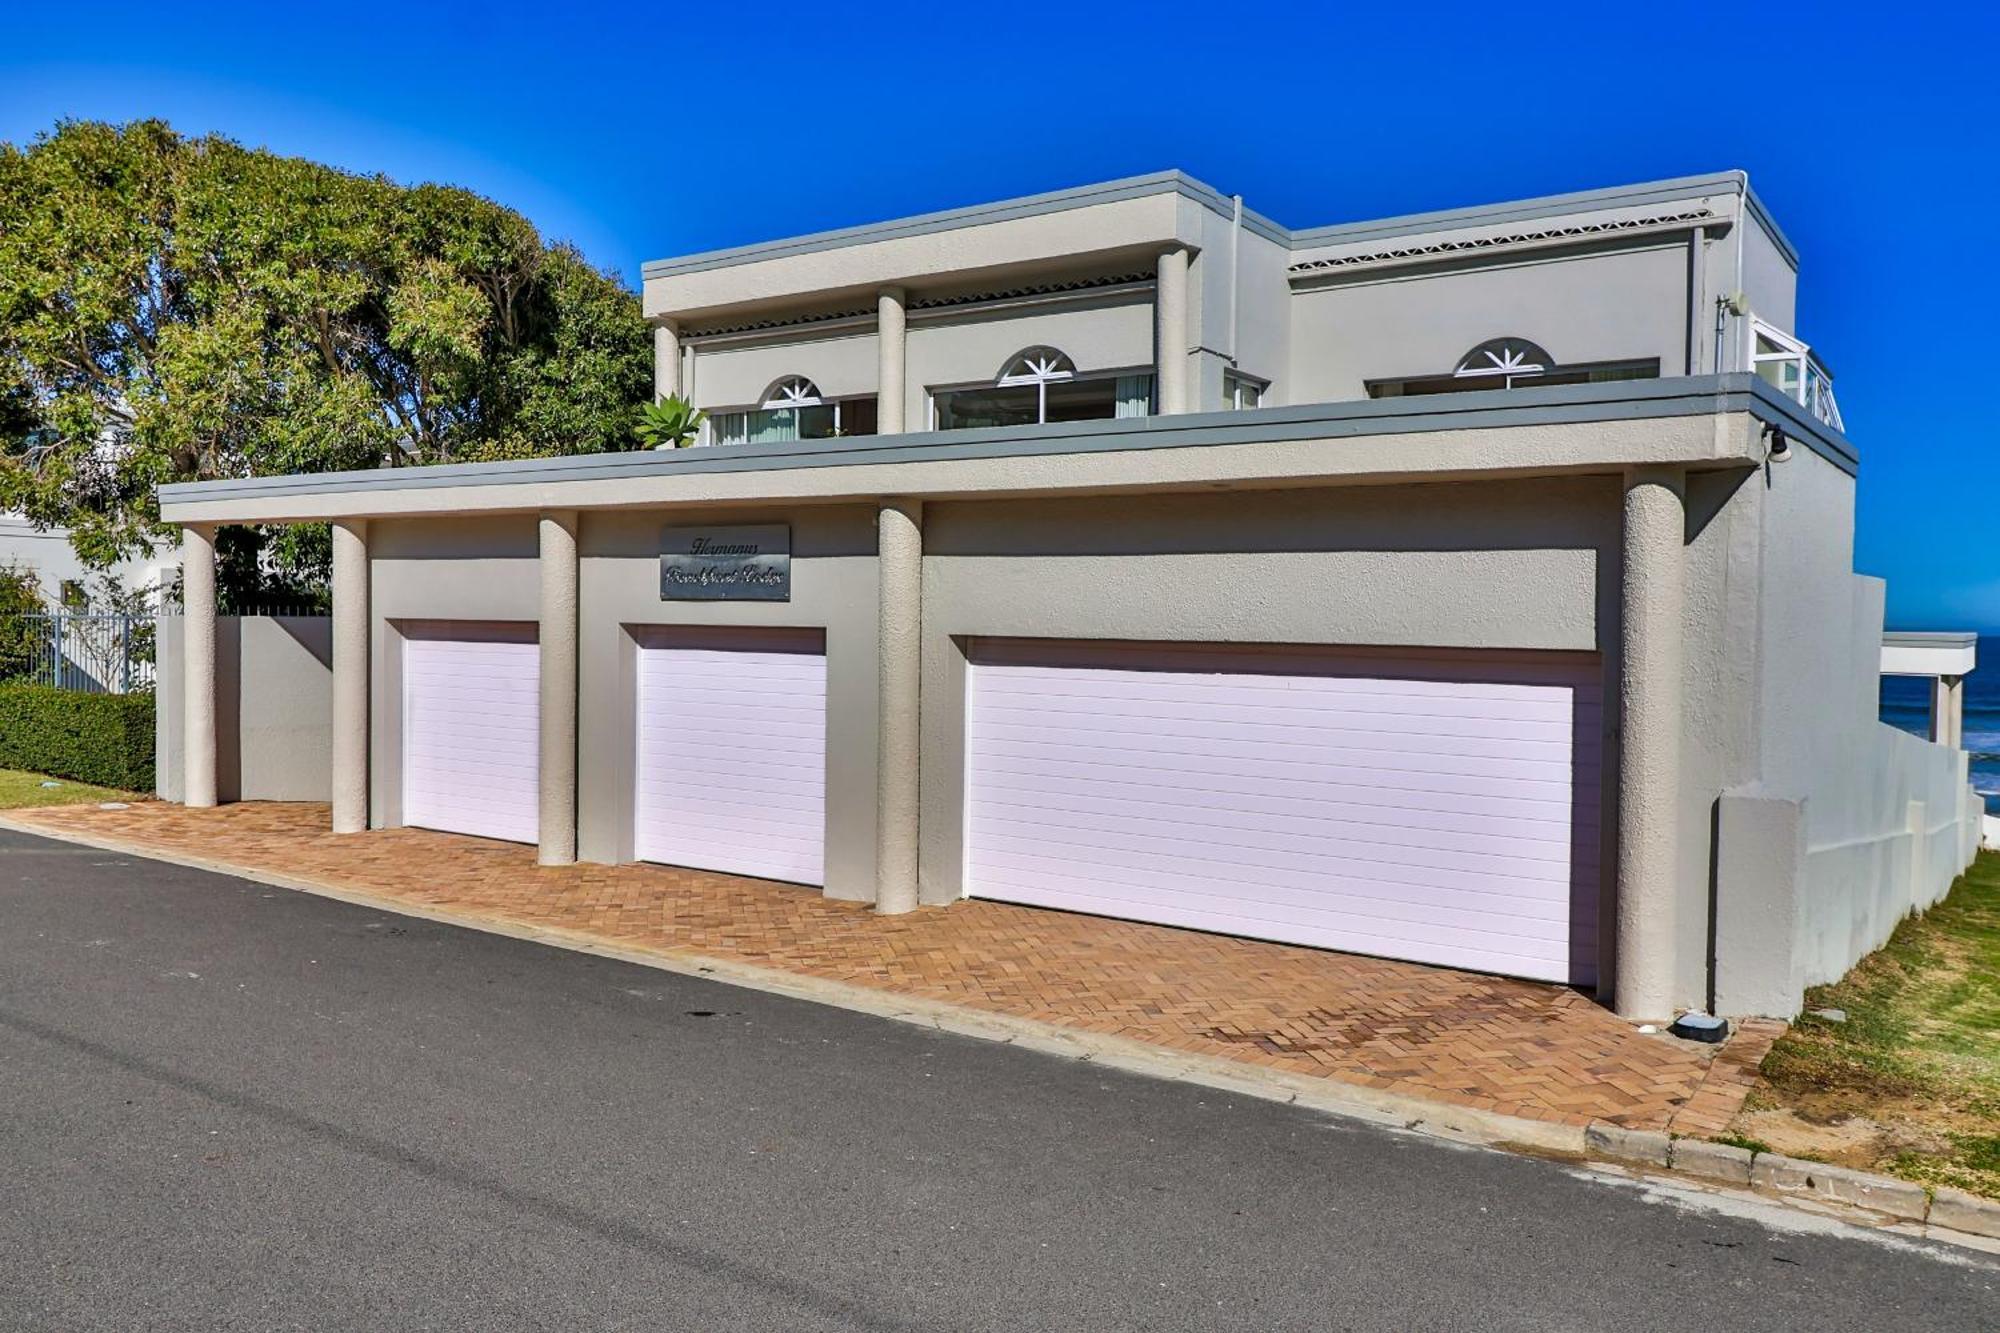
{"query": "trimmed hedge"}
(103, 739)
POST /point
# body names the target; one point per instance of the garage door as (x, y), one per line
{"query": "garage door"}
(471, 724)
(732, 752)
(1442, 809)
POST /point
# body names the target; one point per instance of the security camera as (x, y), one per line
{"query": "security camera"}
(1780, 444)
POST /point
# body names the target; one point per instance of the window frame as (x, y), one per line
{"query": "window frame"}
(1233, 384)
(1040, 380)
(784, 394)
(1504, 374)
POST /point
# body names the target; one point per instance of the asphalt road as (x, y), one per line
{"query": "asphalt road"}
(224, 1105)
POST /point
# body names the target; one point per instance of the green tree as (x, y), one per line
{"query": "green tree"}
(20, 634)
(176, 309)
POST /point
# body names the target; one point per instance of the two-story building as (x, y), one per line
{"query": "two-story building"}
(1473, 588)
(1159, 295)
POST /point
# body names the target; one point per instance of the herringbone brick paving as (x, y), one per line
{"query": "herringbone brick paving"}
(1517, 1047)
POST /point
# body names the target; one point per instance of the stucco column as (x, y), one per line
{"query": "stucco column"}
(558, 688)
(350, 676)
(892, 351)
(666, 360)
(1948, 710)
(899, 642)
(198, 664)
(1170, 307)
(1649, 766)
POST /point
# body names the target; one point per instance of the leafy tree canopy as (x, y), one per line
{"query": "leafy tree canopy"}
(178, 309)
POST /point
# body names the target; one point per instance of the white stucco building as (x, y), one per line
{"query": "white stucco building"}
(1473, 588)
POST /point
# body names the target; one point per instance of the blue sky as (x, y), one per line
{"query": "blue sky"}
(638, 131)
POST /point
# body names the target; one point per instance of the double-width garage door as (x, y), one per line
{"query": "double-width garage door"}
(731, 760)
(1438, 808)
(471, 724)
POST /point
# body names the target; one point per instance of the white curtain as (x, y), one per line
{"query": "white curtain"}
(1135, 396)
(778, 425)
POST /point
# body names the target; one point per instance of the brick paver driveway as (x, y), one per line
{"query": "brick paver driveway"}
(1517, 1047)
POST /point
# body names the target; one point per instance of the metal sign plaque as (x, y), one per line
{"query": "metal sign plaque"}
(746, 564)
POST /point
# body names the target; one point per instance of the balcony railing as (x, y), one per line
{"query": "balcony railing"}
(1791, 366)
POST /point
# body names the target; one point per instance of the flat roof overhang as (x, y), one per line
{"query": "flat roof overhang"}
(1929, 652)
(1702, 422)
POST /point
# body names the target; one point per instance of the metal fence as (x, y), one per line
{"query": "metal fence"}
(95, 653)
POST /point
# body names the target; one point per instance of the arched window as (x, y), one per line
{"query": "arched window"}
(797, 391)
(1503, 360)
(1038, 365)
(1042, 384)
(1511, 363)
(793, 408)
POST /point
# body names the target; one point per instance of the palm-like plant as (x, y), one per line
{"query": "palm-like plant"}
(671, 423)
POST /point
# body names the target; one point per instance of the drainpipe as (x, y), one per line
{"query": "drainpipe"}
(1235, 270)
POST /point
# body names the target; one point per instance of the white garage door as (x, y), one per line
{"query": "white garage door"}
(1442, 809)
(471, 728)
(732, 752)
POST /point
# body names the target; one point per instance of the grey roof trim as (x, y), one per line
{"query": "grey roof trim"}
(1617, 196)
(1624, 400)
(1539, 238)
(1083, 196)
(1179, 182)
(1910, 638)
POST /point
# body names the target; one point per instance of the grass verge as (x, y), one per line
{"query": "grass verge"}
(1909, 1082)
(19, 790)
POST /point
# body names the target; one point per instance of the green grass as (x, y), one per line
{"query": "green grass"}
(1920, 1049)
(19, 790)
(1743, 1141)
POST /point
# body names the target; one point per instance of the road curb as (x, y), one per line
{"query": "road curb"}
(1869, 1199)
(1872, 1196)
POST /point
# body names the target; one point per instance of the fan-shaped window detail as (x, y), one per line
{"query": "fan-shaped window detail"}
(797, 391)
(1511, 363)
(1038, 365)
(1505, 357)
(1041, 385)
(793, 408)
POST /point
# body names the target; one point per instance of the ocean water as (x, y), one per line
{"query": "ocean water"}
(1906, 703)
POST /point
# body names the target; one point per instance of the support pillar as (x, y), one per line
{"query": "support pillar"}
(666, 360)
(198, 665)
(1170, 308)
(350, 675)
(899, 641)
(892, 350)
(558, 688)
(1948, 710)
(1649, 747)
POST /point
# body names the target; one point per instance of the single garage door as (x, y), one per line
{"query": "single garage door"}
(471, 728)
(732, 752)
(1438, 808)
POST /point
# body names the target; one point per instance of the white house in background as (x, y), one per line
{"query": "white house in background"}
(48, 553)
